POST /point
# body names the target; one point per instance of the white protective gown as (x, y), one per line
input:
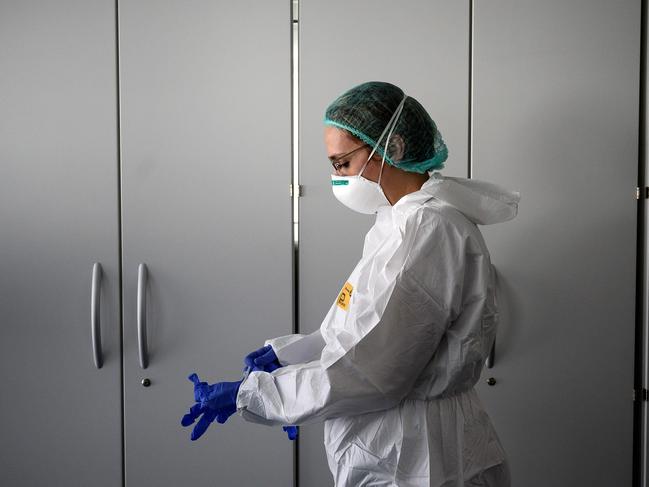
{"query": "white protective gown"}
(392, 368)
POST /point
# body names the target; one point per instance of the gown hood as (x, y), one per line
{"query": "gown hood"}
(482, 202)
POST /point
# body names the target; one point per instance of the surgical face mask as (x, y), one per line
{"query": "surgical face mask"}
(361, 194)
(358, 193)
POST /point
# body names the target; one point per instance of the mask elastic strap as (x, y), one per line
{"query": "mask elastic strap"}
(396, 114)
(392, 123)
(364, 166)
(387, 140)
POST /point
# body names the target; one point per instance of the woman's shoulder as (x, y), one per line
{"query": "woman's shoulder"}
(434, 220)
(434, 214)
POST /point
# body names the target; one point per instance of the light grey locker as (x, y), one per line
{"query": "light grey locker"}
(423, 47)
(555, 116)
(206, 167)
(60, 415)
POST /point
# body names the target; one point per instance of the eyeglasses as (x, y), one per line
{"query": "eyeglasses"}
(337, 165)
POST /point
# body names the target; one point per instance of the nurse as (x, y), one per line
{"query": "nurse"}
(392, 369)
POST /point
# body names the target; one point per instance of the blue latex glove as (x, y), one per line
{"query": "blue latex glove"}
(217, 401)
(291, 431)
(264, 359)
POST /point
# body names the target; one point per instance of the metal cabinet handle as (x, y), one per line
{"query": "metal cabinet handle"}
(141, 315)
(492, 355)
(95, 313)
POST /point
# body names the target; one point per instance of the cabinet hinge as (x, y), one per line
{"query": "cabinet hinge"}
(292, 191)
(640, 395)
(639, 192)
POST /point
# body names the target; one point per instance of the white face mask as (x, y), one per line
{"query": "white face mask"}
(361, 194)
(358, 193)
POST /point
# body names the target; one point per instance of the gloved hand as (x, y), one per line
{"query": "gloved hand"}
(291, 431)
(264, 359)
(217, 401)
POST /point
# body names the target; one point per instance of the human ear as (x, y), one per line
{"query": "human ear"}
(396, 147)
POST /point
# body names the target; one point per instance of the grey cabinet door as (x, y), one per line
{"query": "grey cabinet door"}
(423, 47)
(60, 416)
(556, 95)
(206, 167)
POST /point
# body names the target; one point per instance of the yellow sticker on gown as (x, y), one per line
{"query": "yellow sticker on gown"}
(345, 296)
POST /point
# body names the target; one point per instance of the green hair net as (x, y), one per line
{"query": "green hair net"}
(366, 111)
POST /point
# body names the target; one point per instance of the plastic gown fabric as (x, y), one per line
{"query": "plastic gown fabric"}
(391, 369)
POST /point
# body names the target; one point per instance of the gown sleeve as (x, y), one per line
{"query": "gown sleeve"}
(297, 348)
(403, 303)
